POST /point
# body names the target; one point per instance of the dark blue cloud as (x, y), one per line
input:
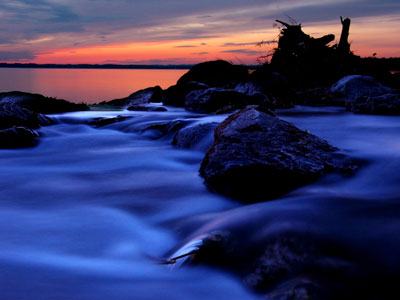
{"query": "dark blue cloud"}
(244, 51)
(16, 56)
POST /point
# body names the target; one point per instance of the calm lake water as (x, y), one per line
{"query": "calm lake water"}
(83, 85)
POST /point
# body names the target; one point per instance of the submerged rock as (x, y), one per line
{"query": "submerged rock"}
(387, 104)
(40, 104)
(146, 108)
(256, 156)
(151, 94)
(18, 137)
(164, 129)
(101, 122)
(217, 100)
(192, 136)
(12, 114)
(351, 87)
(215, 73)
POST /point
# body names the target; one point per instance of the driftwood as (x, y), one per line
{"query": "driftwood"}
(344, 46)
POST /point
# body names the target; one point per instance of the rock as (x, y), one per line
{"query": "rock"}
(387, 104)
(151, 94)
(12, 114)
(217, 100)
(164, 129)
(256, 156)
(272, 84)
(41, 104)
(101, 122)
(351, 87)
(17, 137)
(146, 108)
(192, 136)
(176, 95)
(215, 73)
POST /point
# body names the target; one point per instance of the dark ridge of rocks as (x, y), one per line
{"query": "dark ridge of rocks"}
(18, 137)
(192, 136)
(12, 114)
(175, 95)
(256, 156)
(41, 104)
(101, 122)
(387, 104)
(146, 108)
(217, 100)
(215, 73)
(148, 95)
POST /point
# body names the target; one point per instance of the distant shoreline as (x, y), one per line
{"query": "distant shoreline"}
(90, 66)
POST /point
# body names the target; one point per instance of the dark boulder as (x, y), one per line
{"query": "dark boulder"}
(215, 73)
(17, 137)
(217, 100)
(387, 104)
(41, 104)
(351, 87)
(151, 94)
(195, 135)
(12, 114)
(256, 156)
(176, 95)
(146, 108)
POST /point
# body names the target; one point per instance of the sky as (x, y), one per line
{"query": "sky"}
(183, 31)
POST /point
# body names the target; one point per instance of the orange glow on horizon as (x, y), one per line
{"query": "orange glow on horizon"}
(367, 36)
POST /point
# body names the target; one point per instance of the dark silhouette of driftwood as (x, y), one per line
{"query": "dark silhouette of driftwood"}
(344, 46)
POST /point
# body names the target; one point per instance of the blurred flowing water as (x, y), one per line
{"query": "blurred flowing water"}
(88, 213)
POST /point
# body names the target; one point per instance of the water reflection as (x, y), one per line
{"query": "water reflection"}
(85, 85)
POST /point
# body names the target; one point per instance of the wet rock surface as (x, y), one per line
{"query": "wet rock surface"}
(148, 95)
(192, 135)
(12, 114)
(18, 137)
(351, 87)
(41, 104)
(256, 156)
(387, 104)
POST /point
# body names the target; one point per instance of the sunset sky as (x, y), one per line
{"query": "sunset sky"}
(182, 31)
